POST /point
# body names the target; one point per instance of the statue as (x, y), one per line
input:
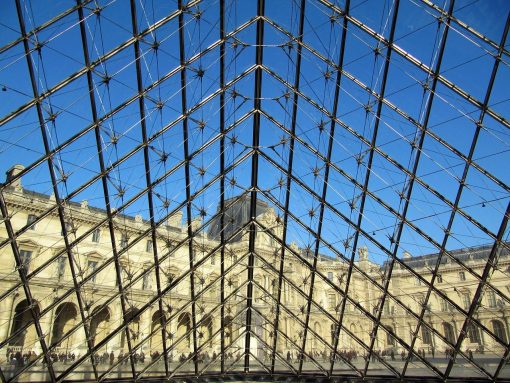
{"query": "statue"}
(363, 253)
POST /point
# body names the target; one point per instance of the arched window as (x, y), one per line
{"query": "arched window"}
(426, 335)
(390, 340)
(448, 332)
(499, 330)
(65, 317)
(318, 330)
(473, 333)
(333, 332)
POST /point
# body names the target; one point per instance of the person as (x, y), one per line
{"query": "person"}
(392, 354)
(433, 351)
(112, 358)
(288, 356)
(19, 360)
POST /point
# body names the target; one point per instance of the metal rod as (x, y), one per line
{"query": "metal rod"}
(413, 60)
(150, 199)
(297, 77)
(324, 192)
(489, 265)
(222, 185)
(337, 289)
(395, 239)
(33, 306)
(462, 181)
(254, 177)
(464, 26)
(99, 61)
(392, 106)
(147, 305)
(182, 58)
(124, 104)
(132, 243)
(379, 200)
(336, 337)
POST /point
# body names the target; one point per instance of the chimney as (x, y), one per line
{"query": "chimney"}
(13, 172)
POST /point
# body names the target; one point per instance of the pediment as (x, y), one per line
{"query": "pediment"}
(27, 243)
(93, 255)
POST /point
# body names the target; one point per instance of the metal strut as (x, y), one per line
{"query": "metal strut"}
(254, 177)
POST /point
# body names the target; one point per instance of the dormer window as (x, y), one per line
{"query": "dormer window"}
(61, 266)
(123, 241)
(91, 267)
(69, 229)
(30, 221)
(146, 282)
(331, 301)
(96, 235)
(25, 258)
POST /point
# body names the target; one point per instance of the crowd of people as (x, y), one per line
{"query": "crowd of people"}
(318, 355)
(18, 359)
(203, 357)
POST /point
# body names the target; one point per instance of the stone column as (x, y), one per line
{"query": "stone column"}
(145, 329)
(46, 327)
(79, 341)
(115, 321)
(6, 315)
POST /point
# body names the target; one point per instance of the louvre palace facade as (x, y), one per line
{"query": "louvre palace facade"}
(102, 279)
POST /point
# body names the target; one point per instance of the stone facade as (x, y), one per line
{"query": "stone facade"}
(110, 279)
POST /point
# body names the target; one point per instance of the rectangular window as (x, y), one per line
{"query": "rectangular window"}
(148, 246)
(26, 257)
(330, 275)
(491, 299)
(426, 336)
(473, 333)
(30, 221)
(123, 241)
(96, 235)
(439, 278)
(61, 266)
(332, 301)
(444, 305)
(390, 340)
(92, 266)
(462, 276)
(69, 229)
(466, 301)
(146, 284)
